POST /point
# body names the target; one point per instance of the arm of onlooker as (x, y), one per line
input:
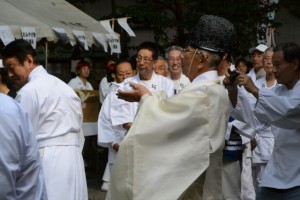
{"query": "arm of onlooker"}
(280, 111)
(30, 181)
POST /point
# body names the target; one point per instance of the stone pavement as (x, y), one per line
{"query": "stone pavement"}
(95, 158)
(94, 185)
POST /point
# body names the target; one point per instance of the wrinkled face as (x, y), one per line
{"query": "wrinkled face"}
(242, 67)
(285, 72)
(174, 61)
(145, 64)
(18, 72)
(160, 68)
(267, 62)
(84, 72)
(256, 59)
(124, 70)
(189, 63)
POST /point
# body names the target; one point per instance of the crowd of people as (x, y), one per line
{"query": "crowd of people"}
(194, 123)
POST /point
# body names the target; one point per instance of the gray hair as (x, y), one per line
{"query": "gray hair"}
(268, 49)
(171, 48)
(215, 57)
(166, 63)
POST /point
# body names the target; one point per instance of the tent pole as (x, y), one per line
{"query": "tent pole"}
(46, 55)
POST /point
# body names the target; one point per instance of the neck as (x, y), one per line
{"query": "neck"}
(145, 77)
(175, 76)
(293, 82)
(83, 80)
(270, 79)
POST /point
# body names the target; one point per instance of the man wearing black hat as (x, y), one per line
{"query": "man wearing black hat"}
(174, 147)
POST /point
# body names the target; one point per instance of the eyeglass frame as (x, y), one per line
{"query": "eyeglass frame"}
(145, 59)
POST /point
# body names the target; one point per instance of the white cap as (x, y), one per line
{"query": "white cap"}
(1, 64)
(261, 48)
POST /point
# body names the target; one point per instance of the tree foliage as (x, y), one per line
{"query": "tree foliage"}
(172, 20)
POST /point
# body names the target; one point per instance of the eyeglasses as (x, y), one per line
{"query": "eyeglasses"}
(146, 60)
(175, 59)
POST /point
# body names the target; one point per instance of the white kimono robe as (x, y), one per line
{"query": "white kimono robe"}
(108, 134)
(103, 88)
(125, 112)
(56, 115)
(172, 143)
(280, 108)
(77, 84)
(21, 172)
(180, 83)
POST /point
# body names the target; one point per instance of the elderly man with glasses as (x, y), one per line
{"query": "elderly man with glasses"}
(174, 147)
(174, 58)
(146, 58)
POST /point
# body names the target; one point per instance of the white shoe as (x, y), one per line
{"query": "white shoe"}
(105, 186)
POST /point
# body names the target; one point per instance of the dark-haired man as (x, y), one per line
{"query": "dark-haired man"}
(278, 107)
(146, 58)
(174, 147)
(109, 135)
(56, 115)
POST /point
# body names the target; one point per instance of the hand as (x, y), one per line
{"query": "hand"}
(231, 88)
(253, 144)
(135, 94)
(246, 81)
(116, 147)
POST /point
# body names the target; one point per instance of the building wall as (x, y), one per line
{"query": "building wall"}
(290, 29)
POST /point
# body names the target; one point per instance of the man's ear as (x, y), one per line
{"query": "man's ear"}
(29, 59)
(203, 57)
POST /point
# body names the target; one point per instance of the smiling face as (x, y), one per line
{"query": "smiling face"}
(145, 64)
(18, 72)
(174, 61)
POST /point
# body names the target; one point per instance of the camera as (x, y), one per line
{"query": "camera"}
(233, 75)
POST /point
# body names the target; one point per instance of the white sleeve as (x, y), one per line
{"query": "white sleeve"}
(280, 111)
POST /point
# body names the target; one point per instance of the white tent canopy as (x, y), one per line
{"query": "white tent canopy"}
(45, 15)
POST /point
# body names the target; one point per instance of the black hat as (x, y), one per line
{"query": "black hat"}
(214, 34)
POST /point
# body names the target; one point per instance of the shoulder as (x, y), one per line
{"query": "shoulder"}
(9, 107)
(184, 79)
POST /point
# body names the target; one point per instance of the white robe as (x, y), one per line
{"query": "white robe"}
(21, 172)
(280, 108)
(170, 145)
(125, 112)
(56, 115)
(77, 84)
(181, 83)
(103, 88)
(108, 134)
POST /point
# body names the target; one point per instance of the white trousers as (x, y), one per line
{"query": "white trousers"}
(64, 173)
